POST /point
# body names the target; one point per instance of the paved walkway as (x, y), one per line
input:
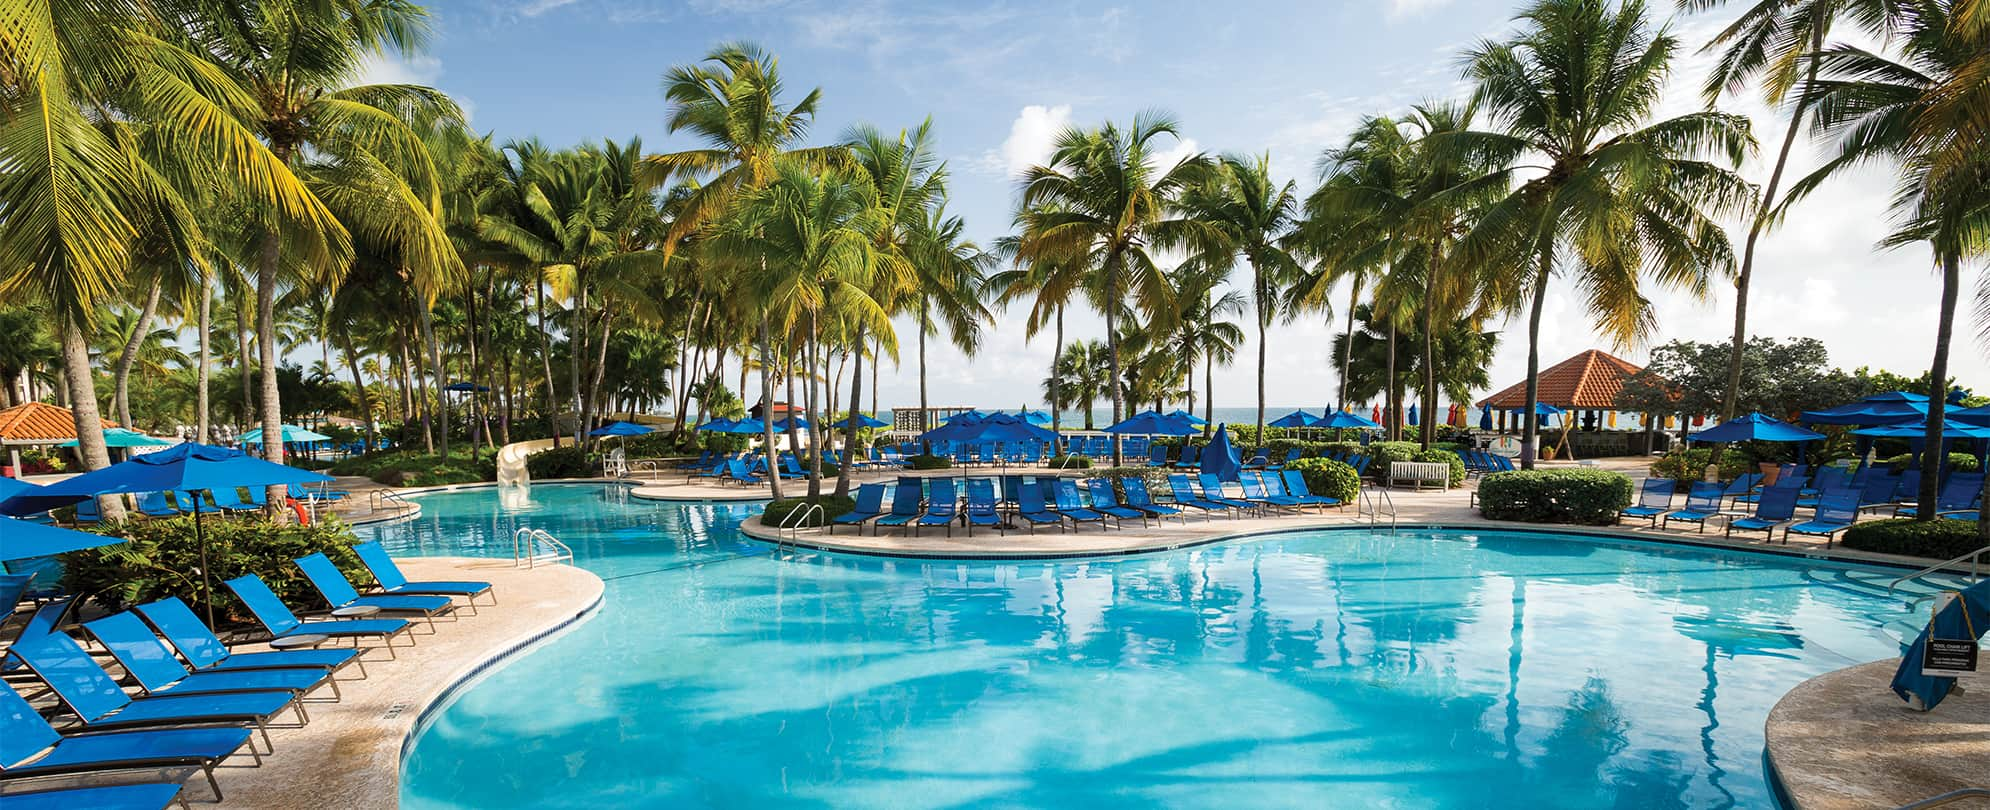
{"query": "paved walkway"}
(1842, 741)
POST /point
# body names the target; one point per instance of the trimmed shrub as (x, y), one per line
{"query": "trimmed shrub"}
(1938, 539)
(1436, 456)
(407, 468)
(930, 462)
(160, 559)
(565, 462)
(1325, 476)
(1582, 497)
(1691, 465)
(832, 508)
(1385, 453)
(1068, 463)
(1958, 462)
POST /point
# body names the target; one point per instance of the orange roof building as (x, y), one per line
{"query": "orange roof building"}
(1587, 381)
(38, 423)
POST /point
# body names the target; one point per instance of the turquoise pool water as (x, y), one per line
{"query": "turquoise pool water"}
(1315, 669)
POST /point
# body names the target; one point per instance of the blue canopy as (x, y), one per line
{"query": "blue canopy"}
(1340, 420)
(292, 434)
(1755, 427)
(863, 420)
(748, 427)
(1038, 418)
(24, 539)
(122, 437)
(1917, 430)
(1979, 415)
(621, 429)
(1220, 457)
(1879, 409)
(9, 487)
(799, 422)
(1485, 419)
(189, 466)
(1296, 419)
(718, 425)
(1543, 409)
(1971, 610)
(1188, 418)
(999, 427)
(465, 387)
(1151, 423)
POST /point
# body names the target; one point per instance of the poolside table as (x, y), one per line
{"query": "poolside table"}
(355, 611)
(299, 642)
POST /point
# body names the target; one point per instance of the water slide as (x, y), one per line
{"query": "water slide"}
(511, 461)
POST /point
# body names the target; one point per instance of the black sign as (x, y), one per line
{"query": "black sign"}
(1948, 657)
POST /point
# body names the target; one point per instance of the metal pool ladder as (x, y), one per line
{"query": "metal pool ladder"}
(1374, 500)
(1973, 558)
(525, 548)
(790, 528)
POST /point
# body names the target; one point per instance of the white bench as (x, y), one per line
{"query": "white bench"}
(1420, 473)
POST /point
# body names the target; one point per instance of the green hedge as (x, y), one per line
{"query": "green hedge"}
(408, 468)
(1939, 539)
(1691, 465)
(1325, 476)
(1068, 463)
(930, 462)
(1583, 497)
(160, 559)
(1959, 462)
(565, 462)
(1385, 453)
(832, 508)
(1436, 456)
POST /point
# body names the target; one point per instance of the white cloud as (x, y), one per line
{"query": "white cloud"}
(534, 8)
(378, 69)
(1403, 9)
(1032, 136)
(1167, 158)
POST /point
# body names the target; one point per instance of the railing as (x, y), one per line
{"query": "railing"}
(389, 497)
(1950, 797)
(525, 548)
(1973, 558)
(1373, 501)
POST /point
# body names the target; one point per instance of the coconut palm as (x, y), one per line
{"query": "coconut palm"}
(1050, 282)
(1079, 376)
(1241, 212)
(1878, 106)
(1103, 201)
(1605, 195)
(1202, 331)
(732, 101)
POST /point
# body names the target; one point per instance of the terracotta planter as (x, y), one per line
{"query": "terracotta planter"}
(1770, 470)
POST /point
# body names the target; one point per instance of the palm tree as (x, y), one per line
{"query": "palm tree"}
(1201, 330)
(732, 101)
(90, 95)
(1879, 107)
(1242, 212)
(1050, 282)
(1613, 197)
(1078, 376)
(1102, 201)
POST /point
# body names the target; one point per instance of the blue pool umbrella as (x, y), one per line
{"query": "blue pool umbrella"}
(1413, 413)
(292, 434)
(24, 539)
(747, 427)
(1188, 418)
(9, 487)
(1755, 427)
(1979, 415)
(1916, 430)
(863, 420)
(1342, 420)
(1000, 427)
(800, 423)
(466, 387)
(121, 437)
(1038, 418)
(718, 425)
(1543, 409)
(1296, 419)
(621, 429)
(1220, 457)
(1150, 423)
(1485, 418)
(1879, 409)
(1966, 617)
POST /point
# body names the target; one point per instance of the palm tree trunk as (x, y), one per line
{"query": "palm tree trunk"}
(600, 369)
(246, 363)
(1056, 384)
(1391, 407)
(1263, 316)
(1429, 355)
(788, 368)
(82, 387)
(767, 412)
(815, 430)
(1530, 430)
(546, 361)
(272, 411)
(436, 370)
(1932, 451)
(877, 359)
(358, 384)
(1112, 355)
(926, 448)
(1209, 394)
(850, 424)
(577, 349)
(1347, 346)
(130, 354)
(202, 421)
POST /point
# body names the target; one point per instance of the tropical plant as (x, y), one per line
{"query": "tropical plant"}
(1078, 377)
(1240, 211)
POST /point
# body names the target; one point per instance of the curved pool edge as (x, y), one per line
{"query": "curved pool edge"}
(1842, 740)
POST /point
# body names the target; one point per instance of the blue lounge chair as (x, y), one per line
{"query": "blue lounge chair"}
(737, 472)
(1105, 503)
(1703, 503)
(1778, 506)
(981, 506)
(1295, 485)
(870, 504)
(905, 499)
(1958, 494)
(1212, 491)
(388, 574)
(1157, 455)
(338, 592)
(137, 796)
(205, 651)
(1258, 459)
(229, 499)
(1185, 497)
(942, 506)
(1741, 488)
(1190, 457)
(86, 511)
(1836, 512)
(302, 493)
(1030, 508)
(30, 747)
(102, 705)
(154, 504)
(1072, 508)
(1137, 497)
(159, 672)
(1878, 492)
(1258, 489)
(1654, 500)
(42, 622)
(279, 622)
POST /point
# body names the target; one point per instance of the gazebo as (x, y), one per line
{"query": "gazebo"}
(35, 424)
(1584, 384)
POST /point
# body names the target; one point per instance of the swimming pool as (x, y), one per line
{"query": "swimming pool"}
(1323, 668)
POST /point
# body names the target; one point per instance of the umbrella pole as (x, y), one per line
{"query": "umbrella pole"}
(206, 571)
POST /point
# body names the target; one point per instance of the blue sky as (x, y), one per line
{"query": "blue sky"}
(1000, 79)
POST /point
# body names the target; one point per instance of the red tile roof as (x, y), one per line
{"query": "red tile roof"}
(38, 422)
(1589, 380)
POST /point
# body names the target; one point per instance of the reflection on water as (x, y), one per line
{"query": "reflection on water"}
(1301, 670)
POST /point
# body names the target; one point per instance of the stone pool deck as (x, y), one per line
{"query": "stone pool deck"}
(350, 753)
(1842, 741)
